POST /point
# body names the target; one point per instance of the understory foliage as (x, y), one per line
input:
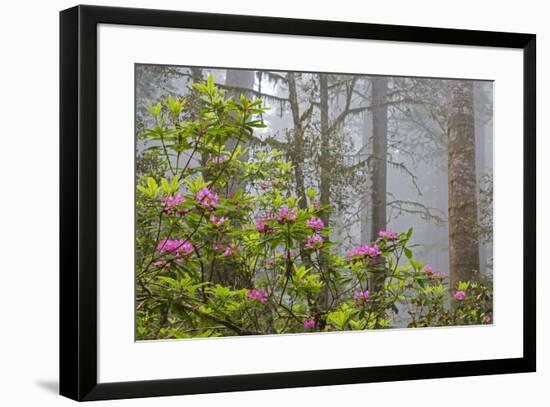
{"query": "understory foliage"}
(223, 247)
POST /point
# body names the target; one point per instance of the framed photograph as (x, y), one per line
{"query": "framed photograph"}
(254, 203)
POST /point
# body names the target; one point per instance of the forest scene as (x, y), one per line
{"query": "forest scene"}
(275, 202)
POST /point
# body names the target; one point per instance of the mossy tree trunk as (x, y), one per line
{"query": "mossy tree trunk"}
(463, 240)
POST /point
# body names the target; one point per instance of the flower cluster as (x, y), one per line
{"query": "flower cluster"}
(170, 201)
(365, 251)
(232, 249)
(218, 221)
(178, 247)
(361, 297)
(309, 324)
(257, 295)
(314, 242)
(459, 295)
(264, 224)
(219, 160)
(286, 215)
(428, 269)
(207, 198)
(315, 223)
(388, 234)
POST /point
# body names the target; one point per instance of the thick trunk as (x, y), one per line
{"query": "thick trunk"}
(463, 240)
(379, 172)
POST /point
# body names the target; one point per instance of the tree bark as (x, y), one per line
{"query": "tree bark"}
(379, 154)
(463, 240)
(240, 79)
(379, 173)
(296, 150)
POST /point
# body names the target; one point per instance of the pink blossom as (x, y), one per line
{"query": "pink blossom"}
(207, 198)
(286, 215)
(460, 295)
(388, 234)
(178, 247)
(438, 276)
(269, 261)
(231, 250)
(309, 324)
(364, 251)
(361, 297)
(264, 185)
(172, 200)
(428, 269)
(314, 242)
(487, 319)
(257, 295)
(218, 221)
(264, 224)
(217, 246)
(219, 160)
(315, 223)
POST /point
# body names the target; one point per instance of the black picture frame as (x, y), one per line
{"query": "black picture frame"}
(78, 196)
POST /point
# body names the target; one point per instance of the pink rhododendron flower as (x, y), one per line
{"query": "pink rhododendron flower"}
(257, 295)
(207, 198)
(460, 295)
(437, 276)
(309, 324)
(286, 215)
(177, 247)
(264, 224)
(361, 297)
(314, 242)
(487, 319)
(364, 251)
(315, 223)
(231, 250)
(172, 200)
(388, 234)
(219, 160)
(428, 269)
(217, 246)
(218, 221)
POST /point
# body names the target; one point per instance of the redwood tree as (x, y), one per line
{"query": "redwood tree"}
(463, 240)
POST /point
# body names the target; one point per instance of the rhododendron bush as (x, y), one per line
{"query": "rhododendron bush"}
(223, 246)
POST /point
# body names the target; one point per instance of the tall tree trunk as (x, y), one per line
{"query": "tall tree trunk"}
(296, 150)
(325, 157)
(243, 82)
(325, 181)
(366, 151)
(379, 154)
(379, 173)
(463, 240)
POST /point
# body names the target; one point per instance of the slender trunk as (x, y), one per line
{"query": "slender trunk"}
(242, 80)
(463, 240)
(296, 150)
(379, 154)
(325, 181)
(379, 173)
